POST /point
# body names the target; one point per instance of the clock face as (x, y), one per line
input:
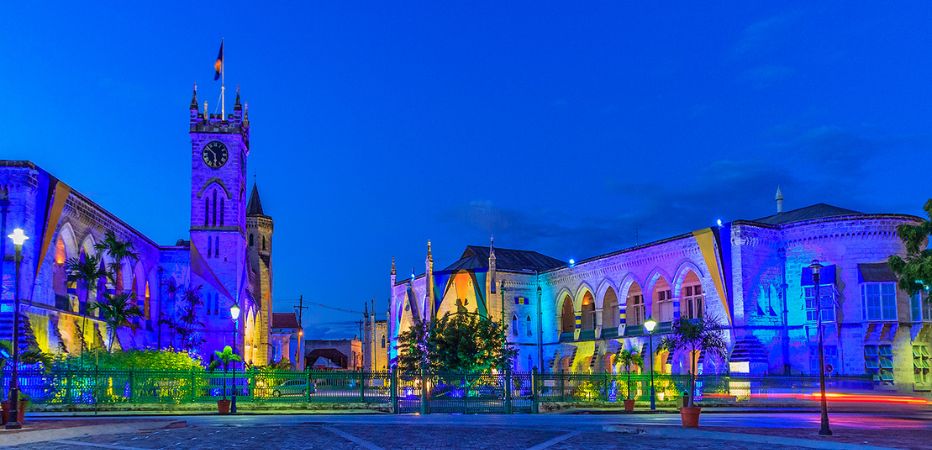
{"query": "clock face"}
(215, 154)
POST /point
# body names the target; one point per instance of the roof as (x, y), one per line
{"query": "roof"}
(284, 320)
(254, 207)
(876, 272)
(476, 257)
(817, 211)
(331, 354)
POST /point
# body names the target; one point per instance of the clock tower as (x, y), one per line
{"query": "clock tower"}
(219, 149)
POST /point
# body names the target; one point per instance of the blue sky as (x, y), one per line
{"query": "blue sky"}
(569, 129)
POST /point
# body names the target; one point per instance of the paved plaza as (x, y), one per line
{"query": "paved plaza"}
(547, 431)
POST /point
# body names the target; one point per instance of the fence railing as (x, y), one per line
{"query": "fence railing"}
(444, 392)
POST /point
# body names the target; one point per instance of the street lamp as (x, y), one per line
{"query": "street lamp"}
(18, 238)
(234, 313)
(649, 325)
(816, 269)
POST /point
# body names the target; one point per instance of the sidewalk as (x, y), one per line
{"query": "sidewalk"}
(781, 437)
(55, 430)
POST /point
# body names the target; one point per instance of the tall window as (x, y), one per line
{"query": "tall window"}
(210, 246)
(222, 211)
(383, 341)
(528, 323)
(831, 359)
(263, 242)
(251, 243)
(827, 292)
(692, 301)
(920, 308)
(213, 215)
(206, 211)
(514, 325)
(145, 304)
(879, 301)
(217, 247)
(662, 302)
(635, 311)
(878, 361)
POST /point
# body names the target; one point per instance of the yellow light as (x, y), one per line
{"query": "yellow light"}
(650, 324)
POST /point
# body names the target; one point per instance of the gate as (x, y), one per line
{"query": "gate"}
(469, 393)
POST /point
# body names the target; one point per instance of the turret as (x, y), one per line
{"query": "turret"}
(193, 108)
(779, 199)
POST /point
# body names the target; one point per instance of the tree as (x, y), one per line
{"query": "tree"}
(223, 359)
(120, 252)
(118, 311)
(87, 270)
(915, 272)
(629, 358)
(187, 323)
(458, 342)
(696, 335)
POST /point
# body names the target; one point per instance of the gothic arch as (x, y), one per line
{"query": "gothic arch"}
(581, 291)
(625, 285)
(603, 289)
(66, 234)
(566, 315)
(87, 245)
(684, 268)
(218, 182)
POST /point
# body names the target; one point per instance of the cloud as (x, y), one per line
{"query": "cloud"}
(811, 165)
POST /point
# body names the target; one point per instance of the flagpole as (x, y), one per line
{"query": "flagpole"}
(223, 97)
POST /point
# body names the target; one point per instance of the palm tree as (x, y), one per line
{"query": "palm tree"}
(225, 358)
(119, 251)
(118, 311)
(696, 335)
(630, 358)
(88, 271)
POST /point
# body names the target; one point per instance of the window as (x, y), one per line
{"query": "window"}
(263, 242)
(222, 211)
(831, 359)
(251, 243)
(879, 301)
(637, 309)
(920, 308)
(692, 301)
(528, 323)
(514, 325)
(217, 247)
(213, 215)
(145, 305)
(383, 341)
(878, 362)
(921, 365)
(210, 246)
(827, 292)
(206, 211)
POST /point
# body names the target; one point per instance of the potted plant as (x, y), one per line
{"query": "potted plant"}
(695, 336)
(223, 358)
(31, 356)
(629, 358)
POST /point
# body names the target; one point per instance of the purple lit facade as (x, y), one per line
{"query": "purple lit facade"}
(752, 275)
(227, 253)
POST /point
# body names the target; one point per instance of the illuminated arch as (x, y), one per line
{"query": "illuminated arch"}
(587, 310)
(581, 291)
(609, 308)
(567, 314)
(658, 308)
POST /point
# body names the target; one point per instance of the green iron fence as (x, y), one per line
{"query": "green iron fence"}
(406, 393)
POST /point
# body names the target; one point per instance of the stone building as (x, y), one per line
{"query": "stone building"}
(374, 342)
(333, 354)
(226, 257)
(752, 275)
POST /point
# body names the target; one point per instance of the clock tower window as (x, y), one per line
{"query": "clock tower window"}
(206, 210)
(213, 216)
(222, 211)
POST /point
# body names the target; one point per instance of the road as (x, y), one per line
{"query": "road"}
(540, 431)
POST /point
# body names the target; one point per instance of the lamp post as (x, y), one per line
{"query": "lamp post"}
(18, 238)
(824, 429)
(649, 325)
(234, 313)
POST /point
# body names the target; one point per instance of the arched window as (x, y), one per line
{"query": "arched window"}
(206, 211)
(528, 322)
(222, 211)
(609, 309)
(662, 310)
(145, 303)
(635, 306)
(263, 242)
(514, 325)
(567, 318)
(588, 312)
(251, 243)
(383, 341)
(210, 246)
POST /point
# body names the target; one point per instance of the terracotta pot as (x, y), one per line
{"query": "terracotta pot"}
(223, 407)
(20, 413)
(629, 405)
(690, 416)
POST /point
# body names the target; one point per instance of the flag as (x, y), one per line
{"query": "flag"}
(218, 64)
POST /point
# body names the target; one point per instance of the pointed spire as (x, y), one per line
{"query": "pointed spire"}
(237, 104)
(430, 257)
(779, 199)
(393, 266)
(194, 97)
(206, 116)
(492, 247)
(365, 310)
(254, 207)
